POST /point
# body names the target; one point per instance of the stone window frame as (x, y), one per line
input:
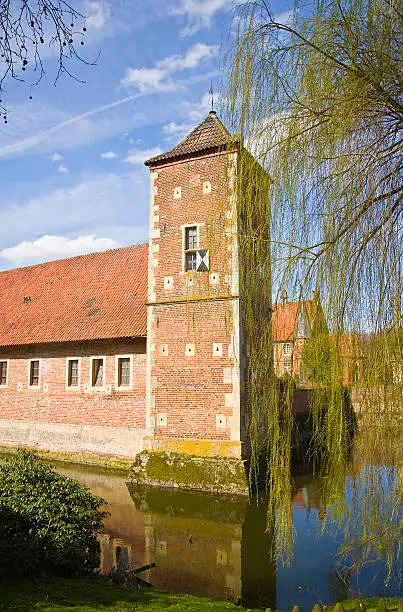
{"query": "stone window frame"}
(97, 387)
(38, 386)
(183, 229)
(7, 362)
(123, 387)
(73, 387)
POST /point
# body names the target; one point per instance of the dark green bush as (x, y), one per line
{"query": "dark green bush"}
(48, 522)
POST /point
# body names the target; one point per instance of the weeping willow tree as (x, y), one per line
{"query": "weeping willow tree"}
(318, 98)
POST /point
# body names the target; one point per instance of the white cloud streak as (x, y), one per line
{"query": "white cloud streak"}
(49, 248)
(108, 155)
(33, 141)
(62, 169)
(199, 13)
(138, 156)
(158, 78)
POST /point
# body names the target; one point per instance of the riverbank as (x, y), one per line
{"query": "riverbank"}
(90, 594)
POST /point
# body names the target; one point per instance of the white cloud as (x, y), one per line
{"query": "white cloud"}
(81, 129)
(108, 155)
(90, 206)
(98, 15)
(199, 13)
(62, 169)
(158, 78)
(177, 129)
(56, 157)
(48, 248)
(284, 17)
(147, 80)
(137, 156)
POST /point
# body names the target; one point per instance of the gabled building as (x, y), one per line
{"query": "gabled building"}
(291, 324)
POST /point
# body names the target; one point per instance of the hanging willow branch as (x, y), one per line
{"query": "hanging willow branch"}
(318, 100)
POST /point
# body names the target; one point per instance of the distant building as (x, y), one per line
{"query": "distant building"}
(292, 322)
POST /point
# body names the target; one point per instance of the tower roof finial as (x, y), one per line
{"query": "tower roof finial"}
(211, 92)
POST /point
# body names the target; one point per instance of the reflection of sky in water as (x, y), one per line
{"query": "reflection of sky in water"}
(209, 545)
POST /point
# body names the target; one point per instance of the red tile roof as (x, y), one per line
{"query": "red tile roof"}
(210, 134)
(285, 319)
(102, 295)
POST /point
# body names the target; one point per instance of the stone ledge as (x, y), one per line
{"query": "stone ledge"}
(176, 470)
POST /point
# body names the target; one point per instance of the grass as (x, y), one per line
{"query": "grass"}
(92, 594)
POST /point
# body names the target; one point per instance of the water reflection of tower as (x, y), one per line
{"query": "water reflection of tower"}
(258, 558)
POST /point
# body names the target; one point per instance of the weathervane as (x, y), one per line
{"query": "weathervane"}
(211, 92)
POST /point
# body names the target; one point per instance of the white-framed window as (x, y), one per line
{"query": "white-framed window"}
(73, 371)
(97, 372)
(287, 366)
(4, 372)
(191, 244)
(34, 373)
(287, 348)
(123, 371)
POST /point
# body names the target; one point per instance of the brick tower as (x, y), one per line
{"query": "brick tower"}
(194, 360)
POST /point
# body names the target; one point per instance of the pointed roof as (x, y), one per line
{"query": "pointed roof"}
(210, 134)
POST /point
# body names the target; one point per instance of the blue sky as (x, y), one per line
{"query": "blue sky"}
(71, 159)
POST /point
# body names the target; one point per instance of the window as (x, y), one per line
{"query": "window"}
(287, 348)
(3, 373)
(72, 373)
(97, 371)
(123, 371)
(287, 367)
(190, 248)
(34, 373)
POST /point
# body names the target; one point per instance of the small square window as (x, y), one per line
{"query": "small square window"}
(97, 372)
(124, 372)
(72, 373)
(287, 348)
(3, 373)
(34, 373)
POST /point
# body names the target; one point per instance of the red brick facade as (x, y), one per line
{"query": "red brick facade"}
(193, 332)
(52, 401)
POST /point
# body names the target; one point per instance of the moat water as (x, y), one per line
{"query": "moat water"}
(216, 546)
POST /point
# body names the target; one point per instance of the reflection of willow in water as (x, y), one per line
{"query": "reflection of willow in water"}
(368, 510)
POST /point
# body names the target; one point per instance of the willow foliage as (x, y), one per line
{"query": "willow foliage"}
(318, 99)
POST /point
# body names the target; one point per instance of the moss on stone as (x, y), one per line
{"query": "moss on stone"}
(169, 469)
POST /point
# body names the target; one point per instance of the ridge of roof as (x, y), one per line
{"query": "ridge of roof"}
(211, 133)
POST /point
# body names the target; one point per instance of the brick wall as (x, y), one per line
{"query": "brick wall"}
(51, 402)
(193, 317)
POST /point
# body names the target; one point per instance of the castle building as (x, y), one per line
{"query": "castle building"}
(139, 347)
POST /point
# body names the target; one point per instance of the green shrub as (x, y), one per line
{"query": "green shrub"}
(48, 522)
